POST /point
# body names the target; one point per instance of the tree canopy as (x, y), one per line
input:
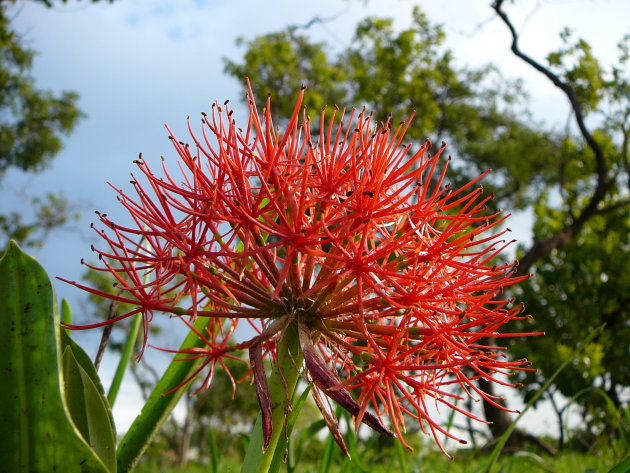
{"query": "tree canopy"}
(33, 123)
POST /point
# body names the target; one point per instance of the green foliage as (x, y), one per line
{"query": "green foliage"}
(33, 120)
(399, 72)
(406, 71)
(32, 124)
(51, 398)
(278, 63)
(466, 462)
(51, 212)
(576, 63)
(576, 288)
(86, 402)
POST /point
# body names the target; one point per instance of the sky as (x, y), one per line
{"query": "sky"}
(140, 64)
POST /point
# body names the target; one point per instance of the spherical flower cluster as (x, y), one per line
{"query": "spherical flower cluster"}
(389, 274)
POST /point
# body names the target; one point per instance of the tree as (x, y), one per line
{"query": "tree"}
(484, 119)
(477, 112)
(32, 124)
(578, 287)
(592, 178)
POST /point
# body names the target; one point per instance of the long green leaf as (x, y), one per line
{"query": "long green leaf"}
(159, 405)
(89, 409)
(400, 453)
(38, 433)
(215, 454)
(621, 467)
(329, 449)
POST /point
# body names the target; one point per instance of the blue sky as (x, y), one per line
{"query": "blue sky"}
(140, 64)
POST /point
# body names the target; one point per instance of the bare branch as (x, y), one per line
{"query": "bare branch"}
(613, 207)
(566, 88)
(545, 245)
(318, 20)
(107, 331)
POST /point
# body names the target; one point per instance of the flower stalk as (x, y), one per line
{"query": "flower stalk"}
(282, 384)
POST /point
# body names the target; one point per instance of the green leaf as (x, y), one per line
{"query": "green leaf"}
(621, 467)
(327, 455)
(42, 436)
(87, 403)
(159, 405)
(66, 313)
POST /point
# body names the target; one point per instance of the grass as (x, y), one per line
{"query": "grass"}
(434, 462)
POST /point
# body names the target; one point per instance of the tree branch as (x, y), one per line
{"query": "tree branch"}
(565, 87)
(545, 245)
(318, 19)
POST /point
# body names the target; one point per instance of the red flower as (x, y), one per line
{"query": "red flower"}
(390, 274)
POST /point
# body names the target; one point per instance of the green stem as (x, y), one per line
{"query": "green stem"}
(124, 360)
(129, 344)
(282, 383)
(159, 406)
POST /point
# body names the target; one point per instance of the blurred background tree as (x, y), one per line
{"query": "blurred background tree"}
(33, 122)
(582, 285)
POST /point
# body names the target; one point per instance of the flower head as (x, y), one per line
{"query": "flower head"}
(390, 275)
